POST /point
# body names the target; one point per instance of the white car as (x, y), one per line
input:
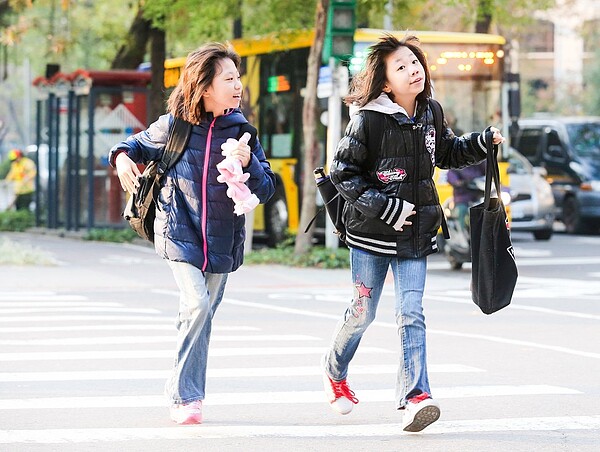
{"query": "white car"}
(532, 202)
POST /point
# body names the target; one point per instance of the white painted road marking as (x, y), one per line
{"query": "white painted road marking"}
(484, 337)
(37, 296)
(269, 398)
(56, 436)
(6, 311)
(464, 297)
(220, 373)
(84, 318)
(144, 354)
(114, 327)
(144, 339)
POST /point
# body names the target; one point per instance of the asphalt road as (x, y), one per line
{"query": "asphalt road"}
(86, 344)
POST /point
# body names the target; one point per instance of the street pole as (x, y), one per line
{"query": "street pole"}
(334, 126)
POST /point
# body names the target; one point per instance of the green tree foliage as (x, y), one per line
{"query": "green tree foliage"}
(73, 34)
(591, 101)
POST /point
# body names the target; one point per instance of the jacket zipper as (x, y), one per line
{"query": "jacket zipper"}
(416, 132)
(205, 194)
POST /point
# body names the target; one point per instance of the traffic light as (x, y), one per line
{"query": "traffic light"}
(339, 35)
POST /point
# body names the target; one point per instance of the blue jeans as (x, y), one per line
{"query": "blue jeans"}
(369, 272)
(200, 295)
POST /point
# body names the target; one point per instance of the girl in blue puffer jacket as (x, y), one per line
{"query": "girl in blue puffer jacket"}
(196, 229)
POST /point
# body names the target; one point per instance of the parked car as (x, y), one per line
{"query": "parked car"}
(531, 200)
(569, 149)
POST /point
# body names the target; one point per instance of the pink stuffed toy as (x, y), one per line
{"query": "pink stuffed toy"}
(233, 175)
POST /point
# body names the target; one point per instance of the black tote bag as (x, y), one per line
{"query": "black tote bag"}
(494, 269)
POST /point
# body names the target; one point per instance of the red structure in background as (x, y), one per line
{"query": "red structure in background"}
(137, 105)
(111, 95)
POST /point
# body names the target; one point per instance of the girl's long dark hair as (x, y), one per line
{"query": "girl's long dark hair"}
(368, 84)
(199, 71)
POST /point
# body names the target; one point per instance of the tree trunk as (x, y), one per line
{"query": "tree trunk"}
(157, 84)
(484, 16)
(131, 54)
(312, 154)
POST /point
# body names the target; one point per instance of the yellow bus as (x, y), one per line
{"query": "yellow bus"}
(467, 73)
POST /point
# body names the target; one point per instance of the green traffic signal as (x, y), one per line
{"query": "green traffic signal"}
(339, 35)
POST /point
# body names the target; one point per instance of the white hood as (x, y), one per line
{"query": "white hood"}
(382, 104)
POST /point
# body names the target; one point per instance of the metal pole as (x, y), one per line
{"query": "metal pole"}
(69, 181)
(50, 160)
(334, 133)
(57, 164)
(38, 142)
(77, 163)
(90, 167)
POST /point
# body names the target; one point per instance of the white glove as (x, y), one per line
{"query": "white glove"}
(407, 210)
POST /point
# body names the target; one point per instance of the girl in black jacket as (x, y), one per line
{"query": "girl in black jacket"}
(393, 214)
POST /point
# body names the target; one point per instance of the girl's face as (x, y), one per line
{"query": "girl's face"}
(225, 91)
(405, 76)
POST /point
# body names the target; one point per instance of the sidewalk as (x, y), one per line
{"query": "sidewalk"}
(89, 265)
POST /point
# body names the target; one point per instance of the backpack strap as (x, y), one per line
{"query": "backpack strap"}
(438, 123)
(375, 123)
(179, 136)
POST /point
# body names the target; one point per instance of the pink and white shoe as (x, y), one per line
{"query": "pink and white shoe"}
(189, 413)
(339, 395)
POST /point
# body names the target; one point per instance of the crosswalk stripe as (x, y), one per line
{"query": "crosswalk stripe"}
(7, 311)
(55, 436)
(143, 354)
(83, 318)
(113, 327)
(289, 397)
(434, 331)
(218, 373)
(54, 304)
(37, 296)
(142, 339)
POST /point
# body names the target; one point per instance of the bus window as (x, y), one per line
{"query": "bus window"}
(282, 76)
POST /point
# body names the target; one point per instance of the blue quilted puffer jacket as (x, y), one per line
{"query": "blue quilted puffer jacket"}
(195, 222)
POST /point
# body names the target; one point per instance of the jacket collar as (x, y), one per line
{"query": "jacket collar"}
(383, 104)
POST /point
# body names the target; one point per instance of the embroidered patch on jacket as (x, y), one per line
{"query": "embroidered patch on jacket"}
(392, 175)
(430, 143)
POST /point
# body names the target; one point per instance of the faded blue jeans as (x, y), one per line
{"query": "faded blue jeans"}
(200, 294)
(369, 272)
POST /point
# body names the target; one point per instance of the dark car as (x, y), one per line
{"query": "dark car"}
(569, 149)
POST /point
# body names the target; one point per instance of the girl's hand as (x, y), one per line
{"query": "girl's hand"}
(128, 173)
(242, 151)
(497, 138)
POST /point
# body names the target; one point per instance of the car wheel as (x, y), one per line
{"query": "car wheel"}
(276, 219)
(545, 234)
(455, 264)
(571, 217)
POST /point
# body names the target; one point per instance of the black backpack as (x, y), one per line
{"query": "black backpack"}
(140, 209)
(333, 202)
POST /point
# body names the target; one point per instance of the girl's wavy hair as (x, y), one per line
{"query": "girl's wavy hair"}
(199, 71)
(368, 84)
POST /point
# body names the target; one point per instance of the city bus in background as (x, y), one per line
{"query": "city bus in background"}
(467, 71)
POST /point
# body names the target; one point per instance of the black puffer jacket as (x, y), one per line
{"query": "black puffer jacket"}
(383, 184)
